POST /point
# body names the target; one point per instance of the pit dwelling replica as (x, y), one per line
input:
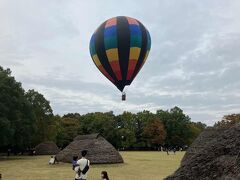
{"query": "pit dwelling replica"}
(47, 148)
(215, 154)
(100, 151)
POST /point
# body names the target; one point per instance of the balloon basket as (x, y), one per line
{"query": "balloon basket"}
(123, 96)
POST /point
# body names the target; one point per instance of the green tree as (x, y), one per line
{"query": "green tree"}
(44, 116)
(126, 138)
(17, 120)
(195, 129)
(99, 122)
(72, 115)
(6, 132)
(68, 129)
(126, 128)
(177, 126)
(141, 120)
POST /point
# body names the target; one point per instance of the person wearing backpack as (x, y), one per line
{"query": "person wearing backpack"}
(82, 169)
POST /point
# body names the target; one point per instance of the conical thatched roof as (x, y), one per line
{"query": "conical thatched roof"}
(100, 151)
(213, 155)
(47, 148)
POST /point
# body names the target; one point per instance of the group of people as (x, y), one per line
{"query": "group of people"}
(169, 150)
(81, 167)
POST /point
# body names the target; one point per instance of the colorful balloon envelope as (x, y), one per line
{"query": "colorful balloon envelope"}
(119, 48)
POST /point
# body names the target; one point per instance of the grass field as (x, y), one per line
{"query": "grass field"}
(138, 165)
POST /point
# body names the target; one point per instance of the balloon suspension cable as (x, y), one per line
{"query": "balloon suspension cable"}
(123, 96)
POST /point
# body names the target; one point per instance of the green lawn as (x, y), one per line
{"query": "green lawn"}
(138, 165)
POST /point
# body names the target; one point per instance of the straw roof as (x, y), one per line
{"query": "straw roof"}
(213, 155)
(100, 151)
(47, 148)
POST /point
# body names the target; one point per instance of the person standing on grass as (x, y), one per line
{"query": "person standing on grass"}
(8, 152)
(52, 160)
(82, 169)
(174, 151)
(104, 175)
(167, 151)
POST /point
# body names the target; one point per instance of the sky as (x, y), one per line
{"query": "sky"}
(193, 63)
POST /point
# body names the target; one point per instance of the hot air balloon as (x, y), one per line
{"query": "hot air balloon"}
(119, 48)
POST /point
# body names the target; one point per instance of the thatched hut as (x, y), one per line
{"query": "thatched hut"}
(100, 151)
(201, 142)
(215, 154)
(47, 148)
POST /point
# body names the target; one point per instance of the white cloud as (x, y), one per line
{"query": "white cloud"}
(194, 61)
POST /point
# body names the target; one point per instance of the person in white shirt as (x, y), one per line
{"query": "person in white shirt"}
(82, 169)
(52, 160)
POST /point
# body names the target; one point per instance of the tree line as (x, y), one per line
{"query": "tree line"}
(27, 119)
(228, 121)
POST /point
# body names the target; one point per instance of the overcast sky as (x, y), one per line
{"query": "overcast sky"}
(193, 63)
